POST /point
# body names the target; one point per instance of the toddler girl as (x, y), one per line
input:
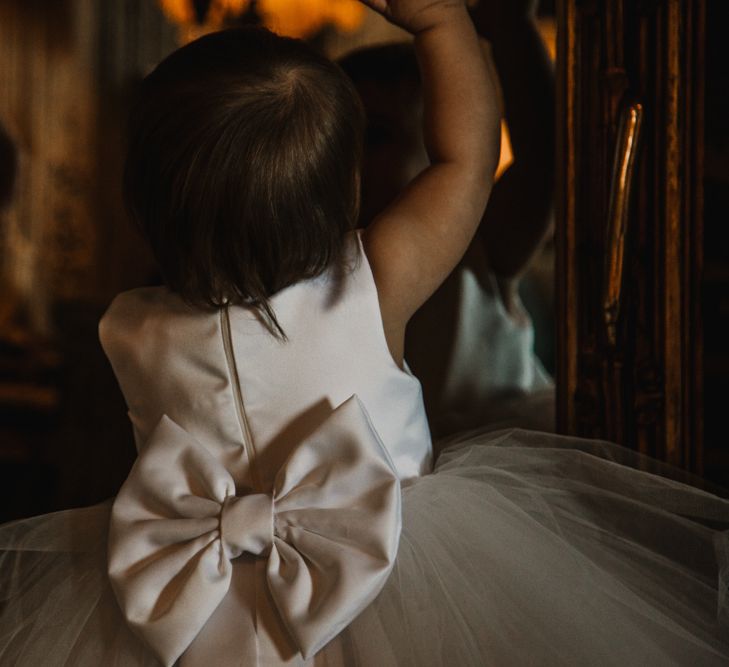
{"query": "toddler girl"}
(284, 508)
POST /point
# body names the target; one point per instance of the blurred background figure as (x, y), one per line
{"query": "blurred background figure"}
(472, 344)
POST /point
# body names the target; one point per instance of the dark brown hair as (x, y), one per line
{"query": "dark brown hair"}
(243, 166)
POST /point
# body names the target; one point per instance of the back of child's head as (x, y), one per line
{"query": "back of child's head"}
(243, 166)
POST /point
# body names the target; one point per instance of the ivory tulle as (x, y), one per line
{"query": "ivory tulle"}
(522, 548)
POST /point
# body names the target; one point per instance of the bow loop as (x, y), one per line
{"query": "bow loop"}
(330, 530)
(246, 524)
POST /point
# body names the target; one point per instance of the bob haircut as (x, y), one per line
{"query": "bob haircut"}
(243, 167)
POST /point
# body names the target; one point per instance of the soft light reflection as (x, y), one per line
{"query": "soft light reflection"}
(506, 157)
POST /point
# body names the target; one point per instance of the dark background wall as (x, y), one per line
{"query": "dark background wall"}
(67, 68)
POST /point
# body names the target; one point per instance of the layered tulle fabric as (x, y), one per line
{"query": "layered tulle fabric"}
(521, 549)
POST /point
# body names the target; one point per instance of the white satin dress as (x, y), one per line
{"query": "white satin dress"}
(284, 510)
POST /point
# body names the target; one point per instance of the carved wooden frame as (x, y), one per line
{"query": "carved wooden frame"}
(644, 388)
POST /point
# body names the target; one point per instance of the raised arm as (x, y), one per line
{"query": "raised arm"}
(415, 243)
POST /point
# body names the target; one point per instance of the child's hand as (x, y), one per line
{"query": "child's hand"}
(415, 15)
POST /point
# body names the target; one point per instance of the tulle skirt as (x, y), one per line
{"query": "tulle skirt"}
(522, 548)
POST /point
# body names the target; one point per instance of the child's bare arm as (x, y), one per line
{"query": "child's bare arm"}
(414, 244)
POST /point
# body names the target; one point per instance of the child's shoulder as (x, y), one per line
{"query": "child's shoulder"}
(137, 302)
(162, 312)
(132, 312)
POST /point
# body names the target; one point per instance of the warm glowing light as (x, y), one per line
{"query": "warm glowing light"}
(294, 18)
(506, 158)
(548, 31)
(183, 11)
(302, 18)
(178, 11)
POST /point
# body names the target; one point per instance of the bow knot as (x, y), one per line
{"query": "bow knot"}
(246, 524)
(330, 530)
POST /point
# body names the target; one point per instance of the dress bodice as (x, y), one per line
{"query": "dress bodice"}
(249, 397)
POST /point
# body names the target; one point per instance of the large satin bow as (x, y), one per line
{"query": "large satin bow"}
(330, 530)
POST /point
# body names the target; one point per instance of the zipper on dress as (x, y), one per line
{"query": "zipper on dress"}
(238, 396)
